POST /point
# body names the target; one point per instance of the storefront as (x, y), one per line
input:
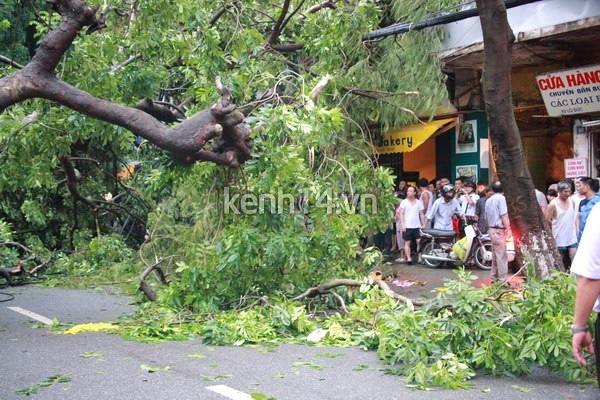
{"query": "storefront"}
(447, 147)
(575, 94)
(410, 150)
(559, 126)
(555, 80)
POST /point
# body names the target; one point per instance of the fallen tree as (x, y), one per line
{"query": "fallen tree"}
(217, 134)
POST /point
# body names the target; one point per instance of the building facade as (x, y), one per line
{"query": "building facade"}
(556, 92)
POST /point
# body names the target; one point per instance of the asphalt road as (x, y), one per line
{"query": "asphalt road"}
(101, 365)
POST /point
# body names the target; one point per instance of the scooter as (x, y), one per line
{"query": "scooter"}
(441, 246)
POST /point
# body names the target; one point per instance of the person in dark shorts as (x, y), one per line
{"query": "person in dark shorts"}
(412, 220)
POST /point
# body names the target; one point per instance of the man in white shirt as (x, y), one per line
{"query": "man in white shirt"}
(586, 265)
(561, 215)
(411, 221)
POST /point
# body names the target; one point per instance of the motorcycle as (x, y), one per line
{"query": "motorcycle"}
(441, 246)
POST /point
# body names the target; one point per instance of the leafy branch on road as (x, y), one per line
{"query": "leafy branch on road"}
(461, 332)
(51, 380)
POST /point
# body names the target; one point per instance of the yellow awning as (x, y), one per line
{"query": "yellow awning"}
(408, 137)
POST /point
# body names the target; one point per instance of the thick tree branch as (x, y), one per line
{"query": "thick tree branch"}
(213, 20)
(6, 274)
(272, 40)
(75, 16)
(325, 289)
(279, 25)
(167, 113)
(17, 244)
(145, 287)
(294, 12)
(218, 134)
(287, 48)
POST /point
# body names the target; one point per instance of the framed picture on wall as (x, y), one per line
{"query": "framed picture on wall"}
(466, 137)
(470, 171)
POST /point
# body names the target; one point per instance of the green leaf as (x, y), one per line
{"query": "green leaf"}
(216, 377)
(154, 369)
(91, 354)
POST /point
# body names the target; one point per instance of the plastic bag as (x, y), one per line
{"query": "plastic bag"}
(460, 248)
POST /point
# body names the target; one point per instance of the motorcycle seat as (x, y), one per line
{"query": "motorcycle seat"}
(439, 233)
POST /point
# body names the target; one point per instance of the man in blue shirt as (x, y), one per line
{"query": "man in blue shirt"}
(590, 186)
(443, 209)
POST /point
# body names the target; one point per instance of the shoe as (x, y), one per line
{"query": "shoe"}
(400, 260)
(388, 263)
(411, 263)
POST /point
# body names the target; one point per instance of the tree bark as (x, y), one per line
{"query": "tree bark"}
(217, 134)
(526, 218)
(325, 289)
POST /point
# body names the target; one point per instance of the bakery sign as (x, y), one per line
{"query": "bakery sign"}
(571, 91)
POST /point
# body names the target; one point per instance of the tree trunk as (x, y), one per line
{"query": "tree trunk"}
(527, 221)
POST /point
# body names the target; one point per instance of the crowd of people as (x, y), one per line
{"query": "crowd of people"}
(439, 204)
(432, 204)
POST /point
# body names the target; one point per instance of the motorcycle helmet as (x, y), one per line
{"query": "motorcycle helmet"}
(448, 191)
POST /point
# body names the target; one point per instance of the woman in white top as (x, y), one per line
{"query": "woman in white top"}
(468, 200)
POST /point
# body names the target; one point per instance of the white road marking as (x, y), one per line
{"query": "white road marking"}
(229, 392)
(32, 315)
